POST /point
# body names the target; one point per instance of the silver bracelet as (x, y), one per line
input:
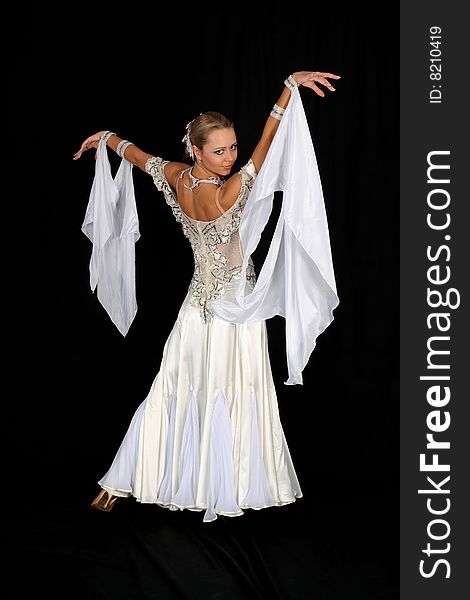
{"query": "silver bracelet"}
(291, 83)
(277, 112)
(122, 146)
(106, 135)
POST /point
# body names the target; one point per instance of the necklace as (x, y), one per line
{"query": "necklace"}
(196, 181)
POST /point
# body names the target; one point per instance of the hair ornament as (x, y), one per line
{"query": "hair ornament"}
(187, 139)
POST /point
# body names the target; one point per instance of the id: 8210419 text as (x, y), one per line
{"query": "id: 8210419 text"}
(435, 64)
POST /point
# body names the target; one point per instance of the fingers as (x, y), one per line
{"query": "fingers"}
(318, 90)
(330, 75)
(85, 146)
(320, 77)
(77, 155)
(312, 85)
(326, 83)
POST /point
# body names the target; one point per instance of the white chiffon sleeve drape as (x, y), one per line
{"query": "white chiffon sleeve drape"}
(297, 278)
(111, 223)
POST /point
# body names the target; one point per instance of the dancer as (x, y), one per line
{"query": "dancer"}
(208, 436)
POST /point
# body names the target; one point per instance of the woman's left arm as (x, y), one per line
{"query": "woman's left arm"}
(308, 79)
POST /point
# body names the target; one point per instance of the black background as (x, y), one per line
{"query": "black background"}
(75, 382)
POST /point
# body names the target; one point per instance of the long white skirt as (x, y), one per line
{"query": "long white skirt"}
(208, 436)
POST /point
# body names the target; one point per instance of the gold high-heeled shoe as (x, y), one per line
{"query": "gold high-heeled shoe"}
(104, 501)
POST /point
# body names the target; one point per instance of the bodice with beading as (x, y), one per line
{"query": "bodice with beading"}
(218, 256)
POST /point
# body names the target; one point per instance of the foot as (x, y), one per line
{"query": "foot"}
(104, 501)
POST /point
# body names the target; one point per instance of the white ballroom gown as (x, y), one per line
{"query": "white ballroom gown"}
(208, 436)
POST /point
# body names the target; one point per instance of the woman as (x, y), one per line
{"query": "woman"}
(208, 436)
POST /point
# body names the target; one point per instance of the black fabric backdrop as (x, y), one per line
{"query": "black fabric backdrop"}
(75, 382)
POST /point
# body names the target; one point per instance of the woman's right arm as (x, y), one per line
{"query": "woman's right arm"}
(131, 153)
(305, 78)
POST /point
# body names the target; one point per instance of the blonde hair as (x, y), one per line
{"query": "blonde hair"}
(201, 126)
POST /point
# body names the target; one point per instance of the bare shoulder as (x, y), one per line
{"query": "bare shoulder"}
(230, 191)
(173, 170)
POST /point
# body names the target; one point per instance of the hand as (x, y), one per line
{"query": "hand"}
(90, 142)
(308, 79)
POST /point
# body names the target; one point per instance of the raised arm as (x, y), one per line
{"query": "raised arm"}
(130, 152)
(307, 79)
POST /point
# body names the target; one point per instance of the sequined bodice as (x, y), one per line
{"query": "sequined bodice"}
(216, 246)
